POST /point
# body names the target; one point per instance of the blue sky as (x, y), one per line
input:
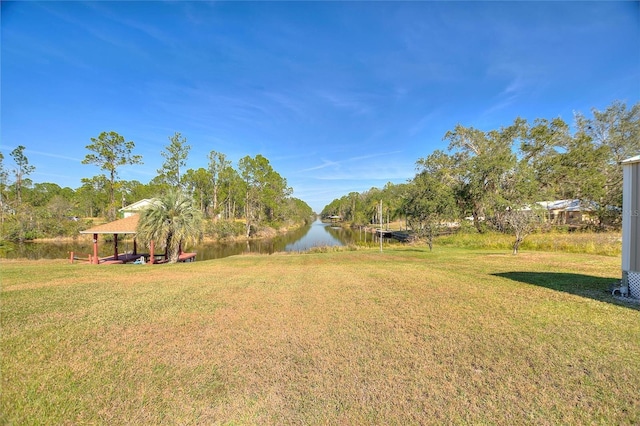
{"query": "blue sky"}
(339, 96)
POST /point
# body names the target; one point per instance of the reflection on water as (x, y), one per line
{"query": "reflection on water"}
(317, 234)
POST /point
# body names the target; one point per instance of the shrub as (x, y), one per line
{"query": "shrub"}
(224, 229)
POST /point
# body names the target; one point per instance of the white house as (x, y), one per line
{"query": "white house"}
(136, 207)
(568, 211)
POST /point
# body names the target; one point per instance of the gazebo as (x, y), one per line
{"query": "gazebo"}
(127, 225)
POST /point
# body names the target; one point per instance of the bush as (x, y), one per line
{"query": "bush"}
(224, 229)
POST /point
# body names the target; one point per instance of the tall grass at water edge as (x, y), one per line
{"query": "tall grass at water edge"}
(600, 243)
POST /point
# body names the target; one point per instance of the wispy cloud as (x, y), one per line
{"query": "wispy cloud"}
(149, 30)
(420, 124)
(44, 154)
(288, 102)
(52, 155)
(42, 52)
(508, 96)
(58, 177)
(373, 174)
(324, 165)
(106, 35)
(499, 106)
(353, 102)
(337, 164)
(369, 156)
(514, 88)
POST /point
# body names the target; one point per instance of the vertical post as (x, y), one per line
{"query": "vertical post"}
(71, 257)
(381, 220)
(152, 255)
(388, 218)
(631, 226)
(135, 245)
(115, 246)
(95, 249)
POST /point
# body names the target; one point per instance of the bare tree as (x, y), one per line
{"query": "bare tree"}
(521, 223)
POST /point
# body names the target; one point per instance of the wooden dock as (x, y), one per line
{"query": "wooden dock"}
(187, 257)
(131, 258)
(122, 258)
(183, 257)
(402, 236)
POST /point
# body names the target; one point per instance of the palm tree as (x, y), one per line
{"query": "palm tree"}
(170, 222)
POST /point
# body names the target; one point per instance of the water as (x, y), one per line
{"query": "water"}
(317, 234)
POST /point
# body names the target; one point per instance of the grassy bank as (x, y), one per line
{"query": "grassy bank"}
(602, 243)
(354, 337)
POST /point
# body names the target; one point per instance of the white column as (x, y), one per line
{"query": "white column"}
(631, 226)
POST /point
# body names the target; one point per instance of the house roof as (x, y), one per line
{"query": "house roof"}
(631, 160)
(568, 205)
(127, 225)
(138, 205)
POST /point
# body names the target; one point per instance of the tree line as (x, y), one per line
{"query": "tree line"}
(496, 177)
(240, 200)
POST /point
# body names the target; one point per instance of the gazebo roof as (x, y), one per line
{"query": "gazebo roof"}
(127, 225)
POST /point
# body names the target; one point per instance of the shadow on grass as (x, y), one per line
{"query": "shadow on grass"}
(412, 249)
(596, 288)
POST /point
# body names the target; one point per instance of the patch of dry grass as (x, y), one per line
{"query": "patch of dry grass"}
(400, 337)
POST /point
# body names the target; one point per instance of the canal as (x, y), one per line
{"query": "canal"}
(316, 234)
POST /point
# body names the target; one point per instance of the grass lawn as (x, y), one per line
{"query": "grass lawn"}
(357, 337)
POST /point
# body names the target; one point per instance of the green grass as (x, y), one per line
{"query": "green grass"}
(406, 336)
